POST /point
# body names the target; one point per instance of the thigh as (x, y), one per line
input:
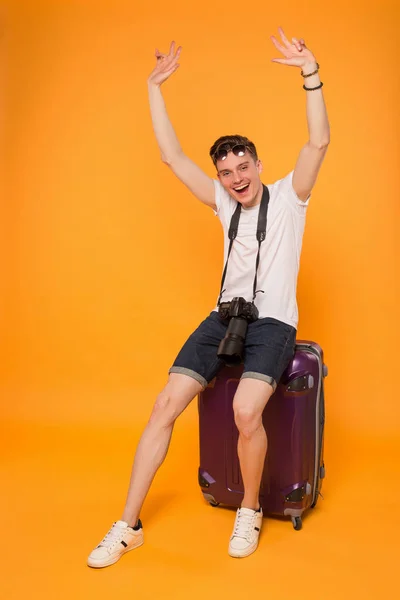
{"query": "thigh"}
(198, 356)
(269, 347)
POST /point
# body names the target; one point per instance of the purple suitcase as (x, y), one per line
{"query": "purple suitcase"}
(294, 421)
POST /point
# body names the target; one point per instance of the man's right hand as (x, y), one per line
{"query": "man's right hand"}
(165, 66)
(172, 154)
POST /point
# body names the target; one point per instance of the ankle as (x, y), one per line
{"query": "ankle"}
(251, 505)
(131, 522)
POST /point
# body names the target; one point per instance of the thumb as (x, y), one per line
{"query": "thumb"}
(282, 61)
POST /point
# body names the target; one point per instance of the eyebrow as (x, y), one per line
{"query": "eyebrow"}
(239, 165)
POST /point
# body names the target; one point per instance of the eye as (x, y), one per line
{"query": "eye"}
(243, 168)
(225, 173)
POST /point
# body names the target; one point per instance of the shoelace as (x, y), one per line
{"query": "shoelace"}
(244, 525)
(114, 535)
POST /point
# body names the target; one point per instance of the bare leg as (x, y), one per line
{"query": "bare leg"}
(153, 446)
(250, 400)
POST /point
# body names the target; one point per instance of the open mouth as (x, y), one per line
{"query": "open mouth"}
(242, 189)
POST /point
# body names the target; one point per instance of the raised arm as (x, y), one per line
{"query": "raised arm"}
(312, 154)
(172, 154)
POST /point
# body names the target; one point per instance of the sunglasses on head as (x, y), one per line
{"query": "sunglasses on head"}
(223, 150)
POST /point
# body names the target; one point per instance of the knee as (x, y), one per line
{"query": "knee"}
(247, 420)
(163, 412)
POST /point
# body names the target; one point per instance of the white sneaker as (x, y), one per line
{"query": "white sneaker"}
(245, 534)
(120, 539)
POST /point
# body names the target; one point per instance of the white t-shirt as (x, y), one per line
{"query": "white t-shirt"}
(280, 251)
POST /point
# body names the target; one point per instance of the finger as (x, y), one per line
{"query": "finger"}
(282, 61)
(296, 42)
(178, 53)
(278, 45)
(165, 60)
(170, 61)
(284, 38)
(172, 49)
(170, 71)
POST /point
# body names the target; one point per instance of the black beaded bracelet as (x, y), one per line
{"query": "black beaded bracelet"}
(312, 89)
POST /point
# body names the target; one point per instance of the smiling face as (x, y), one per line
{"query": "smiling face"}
(240, 176)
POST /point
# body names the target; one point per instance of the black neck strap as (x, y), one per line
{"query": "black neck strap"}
(261, 233)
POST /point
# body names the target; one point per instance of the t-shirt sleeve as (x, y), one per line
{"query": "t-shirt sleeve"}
(286, 188)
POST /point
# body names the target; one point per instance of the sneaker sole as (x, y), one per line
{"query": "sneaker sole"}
(113, 559)
(234, 553)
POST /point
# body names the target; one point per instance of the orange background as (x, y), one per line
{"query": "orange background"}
(109, 263)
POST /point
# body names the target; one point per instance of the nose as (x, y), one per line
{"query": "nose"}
(237, 177)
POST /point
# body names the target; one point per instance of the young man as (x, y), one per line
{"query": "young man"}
(270, 340)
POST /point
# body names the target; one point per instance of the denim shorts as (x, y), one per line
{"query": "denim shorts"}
(268, 348)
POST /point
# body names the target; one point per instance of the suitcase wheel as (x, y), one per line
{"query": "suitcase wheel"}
(297, 523)
(210, 499)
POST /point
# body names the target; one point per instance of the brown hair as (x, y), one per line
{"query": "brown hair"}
(233, 140)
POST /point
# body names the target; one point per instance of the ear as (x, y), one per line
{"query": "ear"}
(259, 167)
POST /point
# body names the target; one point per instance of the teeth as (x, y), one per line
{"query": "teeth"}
(242, 187)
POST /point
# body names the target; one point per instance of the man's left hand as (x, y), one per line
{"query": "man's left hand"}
(296, 53)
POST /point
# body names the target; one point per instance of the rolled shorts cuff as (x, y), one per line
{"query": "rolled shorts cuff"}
(261, 377)
(190, 373)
